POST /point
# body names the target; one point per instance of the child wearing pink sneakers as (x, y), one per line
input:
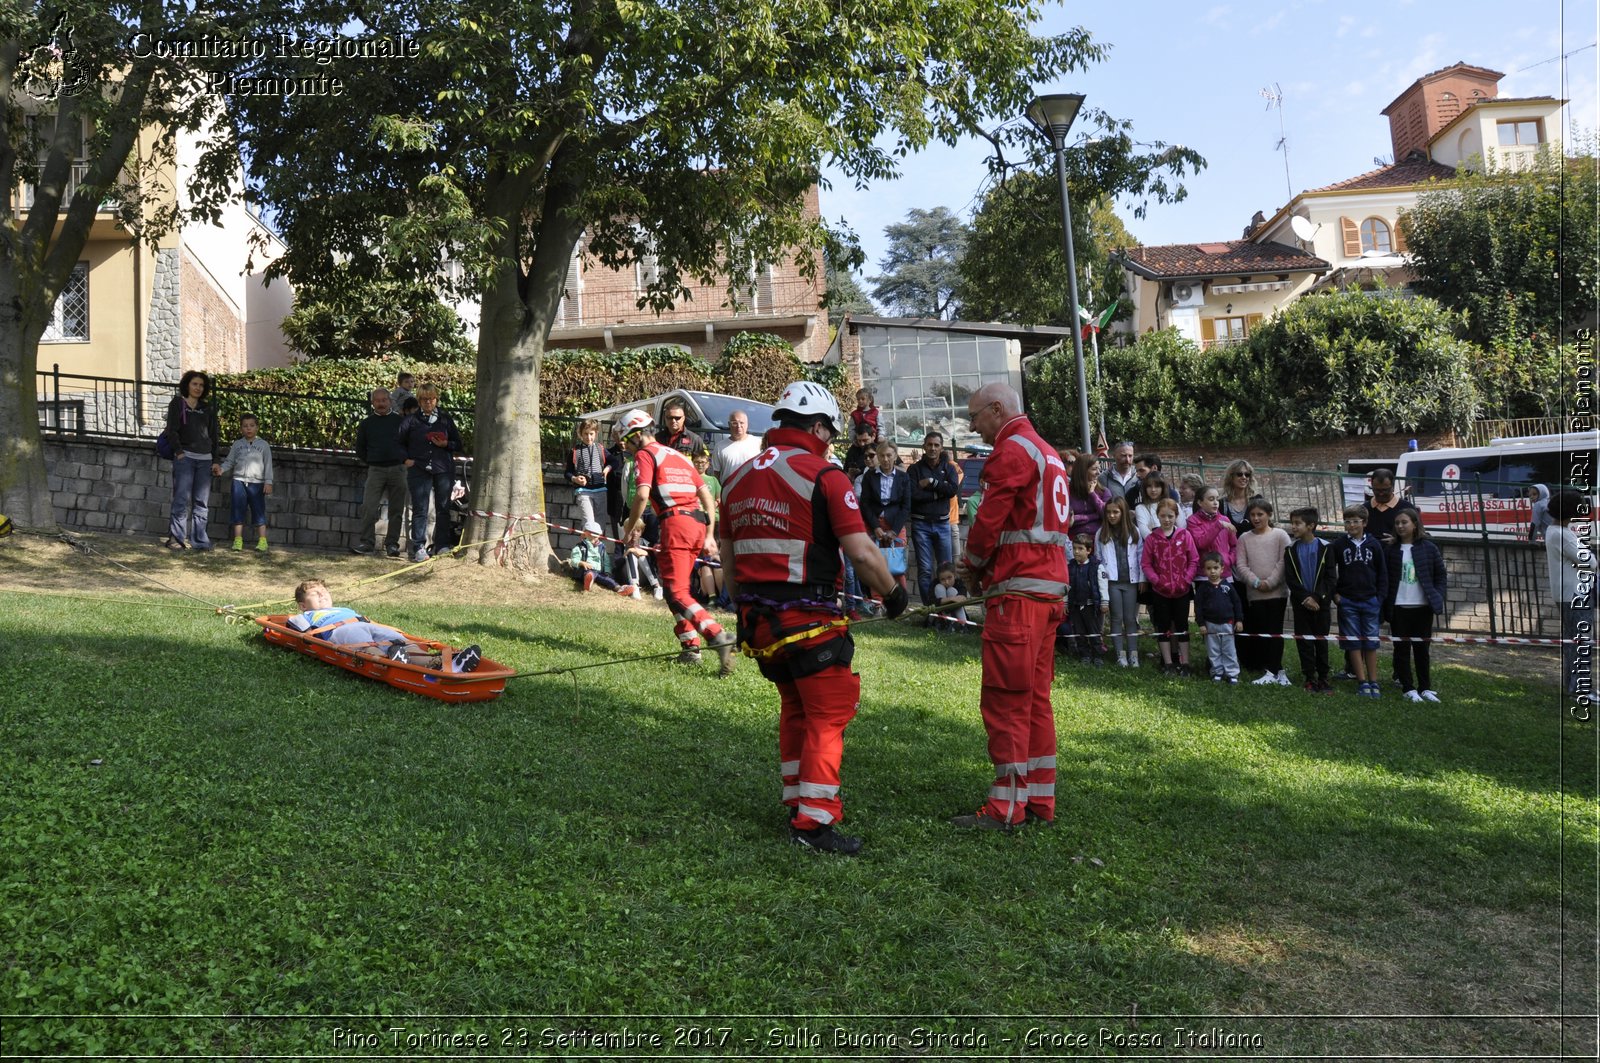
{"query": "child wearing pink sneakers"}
(590, 565)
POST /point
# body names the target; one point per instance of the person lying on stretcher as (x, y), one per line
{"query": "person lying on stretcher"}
(346, 627)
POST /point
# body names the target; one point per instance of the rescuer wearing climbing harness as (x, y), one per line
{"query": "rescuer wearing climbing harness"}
(788, 513)
(1017, 549)
(668, 482)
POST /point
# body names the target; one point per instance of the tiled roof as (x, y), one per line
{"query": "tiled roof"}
(1400, 175)
(1215, 260)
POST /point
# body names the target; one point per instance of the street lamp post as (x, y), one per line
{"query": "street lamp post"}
(1054, 116)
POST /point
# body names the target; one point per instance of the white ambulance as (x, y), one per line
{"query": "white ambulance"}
(1468, 490)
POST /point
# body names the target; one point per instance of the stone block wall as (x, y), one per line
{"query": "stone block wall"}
(121, 486)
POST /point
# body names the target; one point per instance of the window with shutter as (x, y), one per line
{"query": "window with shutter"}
(1352, 238)
(1375, 236)
(1252, 322)
(1399, 238)
(762, 300)
(570, 312)
(1208, 331)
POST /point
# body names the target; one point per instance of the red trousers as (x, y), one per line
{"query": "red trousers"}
(813, 712)
(1019, 665)
(682, 539)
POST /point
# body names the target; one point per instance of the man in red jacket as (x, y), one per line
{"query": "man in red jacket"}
(1017, 547)
(668, 482)
(789, 513)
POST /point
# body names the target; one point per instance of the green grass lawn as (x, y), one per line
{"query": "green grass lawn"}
(195, 823)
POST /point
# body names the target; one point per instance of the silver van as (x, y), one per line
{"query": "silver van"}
(706, 413)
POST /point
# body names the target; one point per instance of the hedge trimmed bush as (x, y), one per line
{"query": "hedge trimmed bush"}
(319, 403)
(1326, 366)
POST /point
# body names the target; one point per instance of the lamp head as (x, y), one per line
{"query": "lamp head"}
(1054, 115)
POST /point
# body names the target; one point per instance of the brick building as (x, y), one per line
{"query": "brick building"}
(601, 309)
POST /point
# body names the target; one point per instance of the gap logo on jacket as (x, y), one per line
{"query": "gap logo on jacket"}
(1363, 571)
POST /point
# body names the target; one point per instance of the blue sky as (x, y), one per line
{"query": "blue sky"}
(1192, 74)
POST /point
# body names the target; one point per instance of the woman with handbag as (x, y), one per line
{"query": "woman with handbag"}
(885, 505)
(192, 434)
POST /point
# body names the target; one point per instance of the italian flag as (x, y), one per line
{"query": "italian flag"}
(1092, 324)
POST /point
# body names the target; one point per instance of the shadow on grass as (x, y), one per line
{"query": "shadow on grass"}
(322, 841)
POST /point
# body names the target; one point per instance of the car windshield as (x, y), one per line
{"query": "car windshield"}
(718, 408)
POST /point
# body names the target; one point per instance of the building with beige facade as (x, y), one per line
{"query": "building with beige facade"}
(1346, 234)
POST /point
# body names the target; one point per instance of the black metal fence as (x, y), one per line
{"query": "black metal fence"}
(119, 408)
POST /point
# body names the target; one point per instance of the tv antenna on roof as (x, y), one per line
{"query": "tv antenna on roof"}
(1274, 98)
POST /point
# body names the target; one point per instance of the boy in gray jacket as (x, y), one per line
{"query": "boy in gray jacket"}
(250, 461)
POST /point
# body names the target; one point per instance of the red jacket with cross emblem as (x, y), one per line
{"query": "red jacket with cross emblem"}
(1020, 535)
(785, 511)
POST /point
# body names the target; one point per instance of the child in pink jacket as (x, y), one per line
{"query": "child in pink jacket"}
(1212, 530)
(1170, 561)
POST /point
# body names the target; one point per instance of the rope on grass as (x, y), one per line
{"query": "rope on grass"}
(248, 610)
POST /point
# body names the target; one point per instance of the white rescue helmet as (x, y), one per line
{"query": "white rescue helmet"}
(806, 399)
(636, 421)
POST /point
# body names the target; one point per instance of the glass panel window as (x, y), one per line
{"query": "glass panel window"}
(1519, 134)
(1375, 236)
(69, 321)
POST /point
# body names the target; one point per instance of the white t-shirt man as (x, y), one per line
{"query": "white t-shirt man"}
(735, 452)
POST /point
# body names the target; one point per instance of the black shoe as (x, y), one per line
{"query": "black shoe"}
(1183, 671)
(363, 550)
(980, 820)
(394, 551)
(1033, 819)
(468, 659)
(397, 653)
(824, 839)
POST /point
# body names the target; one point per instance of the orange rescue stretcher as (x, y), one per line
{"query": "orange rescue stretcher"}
(484, 683)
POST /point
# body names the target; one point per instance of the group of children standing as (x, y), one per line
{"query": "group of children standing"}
(1241, 585)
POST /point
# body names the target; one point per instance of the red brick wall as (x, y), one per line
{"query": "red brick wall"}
(610, 297)
(1326, 455)
(210, 329)
(1423, 110)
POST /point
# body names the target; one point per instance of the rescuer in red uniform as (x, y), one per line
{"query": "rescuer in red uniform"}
(1017, 547)
(788, 513)
(669, 482)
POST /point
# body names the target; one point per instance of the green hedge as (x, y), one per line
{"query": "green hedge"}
(319, 403)
(1326, 366)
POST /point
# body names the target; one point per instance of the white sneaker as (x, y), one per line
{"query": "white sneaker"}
(1122, 660)
(1428, 695)
(419, 557)
(635, 595)
(1283, 678)
(1412, 695)
(1266, 679)
(657, 592)
(1133, 660)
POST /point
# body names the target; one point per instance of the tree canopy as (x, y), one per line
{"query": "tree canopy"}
(1516, 251)
(345, 314)
(1327, 365)
(685, 133)
(845, 295)
(1015, 267)
(923, 264)
(89, 123)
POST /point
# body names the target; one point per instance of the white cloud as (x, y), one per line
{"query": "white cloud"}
(1370, 32)
(1345, 24)
(1270, 24)
(1217, 14)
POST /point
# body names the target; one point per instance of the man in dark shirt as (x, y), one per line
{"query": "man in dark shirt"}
(673, 432)
(378, 448)
(1382, 506)
(933, 485)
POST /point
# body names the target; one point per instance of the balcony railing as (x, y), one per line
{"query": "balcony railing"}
(23, 197)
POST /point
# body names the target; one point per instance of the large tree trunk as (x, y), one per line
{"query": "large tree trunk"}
(508, 462)
(507, 473)
(24, 488)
